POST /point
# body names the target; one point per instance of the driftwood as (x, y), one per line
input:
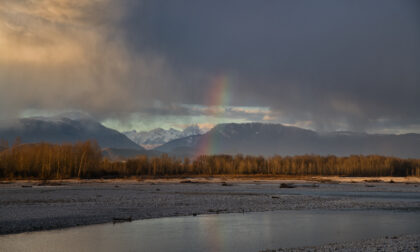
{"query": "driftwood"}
(217, 211)
(188, 182)
(284, 185)
(117, 220)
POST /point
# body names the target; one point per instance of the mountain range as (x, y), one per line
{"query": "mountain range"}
(232, 138)
(277, 139)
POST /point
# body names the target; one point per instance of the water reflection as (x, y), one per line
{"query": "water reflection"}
(224, 232)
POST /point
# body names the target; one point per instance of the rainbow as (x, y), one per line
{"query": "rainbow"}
(219, 93)
(217, 100)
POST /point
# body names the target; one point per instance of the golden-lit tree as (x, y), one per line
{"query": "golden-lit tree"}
(84, 160)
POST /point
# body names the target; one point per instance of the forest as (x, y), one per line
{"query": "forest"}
(84, 160)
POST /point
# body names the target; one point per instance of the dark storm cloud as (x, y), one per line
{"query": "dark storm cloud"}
(324, 64)
(353, 63)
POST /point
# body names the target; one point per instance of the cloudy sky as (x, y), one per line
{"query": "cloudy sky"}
(324, 65)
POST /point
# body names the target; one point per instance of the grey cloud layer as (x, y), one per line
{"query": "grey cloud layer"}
(346, 62)
(337, 64)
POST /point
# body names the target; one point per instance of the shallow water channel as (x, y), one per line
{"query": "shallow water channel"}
(223, 232)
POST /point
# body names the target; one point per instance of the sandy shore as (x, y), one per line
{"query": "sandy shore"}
(32, 205)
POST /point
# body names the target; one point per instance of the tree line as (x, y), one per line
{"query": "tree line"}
(84, 160)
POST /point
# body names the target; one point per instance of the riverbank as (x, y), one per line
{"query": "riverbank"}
(220, 178)
(37, 205)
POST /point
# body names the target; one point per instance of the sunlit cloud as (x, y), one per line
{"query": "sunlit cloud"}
(67, 55)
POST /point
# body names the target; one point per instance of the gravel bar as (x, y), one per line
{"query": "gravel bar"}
(31, 206)
(406, 243)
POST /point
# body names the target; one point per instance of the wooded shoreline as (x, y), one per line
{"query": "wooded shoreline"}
(84, 160)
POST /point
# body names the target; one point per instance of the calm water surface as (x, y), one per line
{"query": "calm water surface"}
(224, 232)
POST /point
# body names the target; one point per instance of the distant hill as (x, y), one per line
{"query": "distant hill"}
(66, 129)
(277, 139)
(156, 137)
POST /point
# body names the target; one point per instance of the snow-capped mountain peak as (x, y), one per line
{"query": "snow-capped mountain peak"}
(192, 130)
(156, 137)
